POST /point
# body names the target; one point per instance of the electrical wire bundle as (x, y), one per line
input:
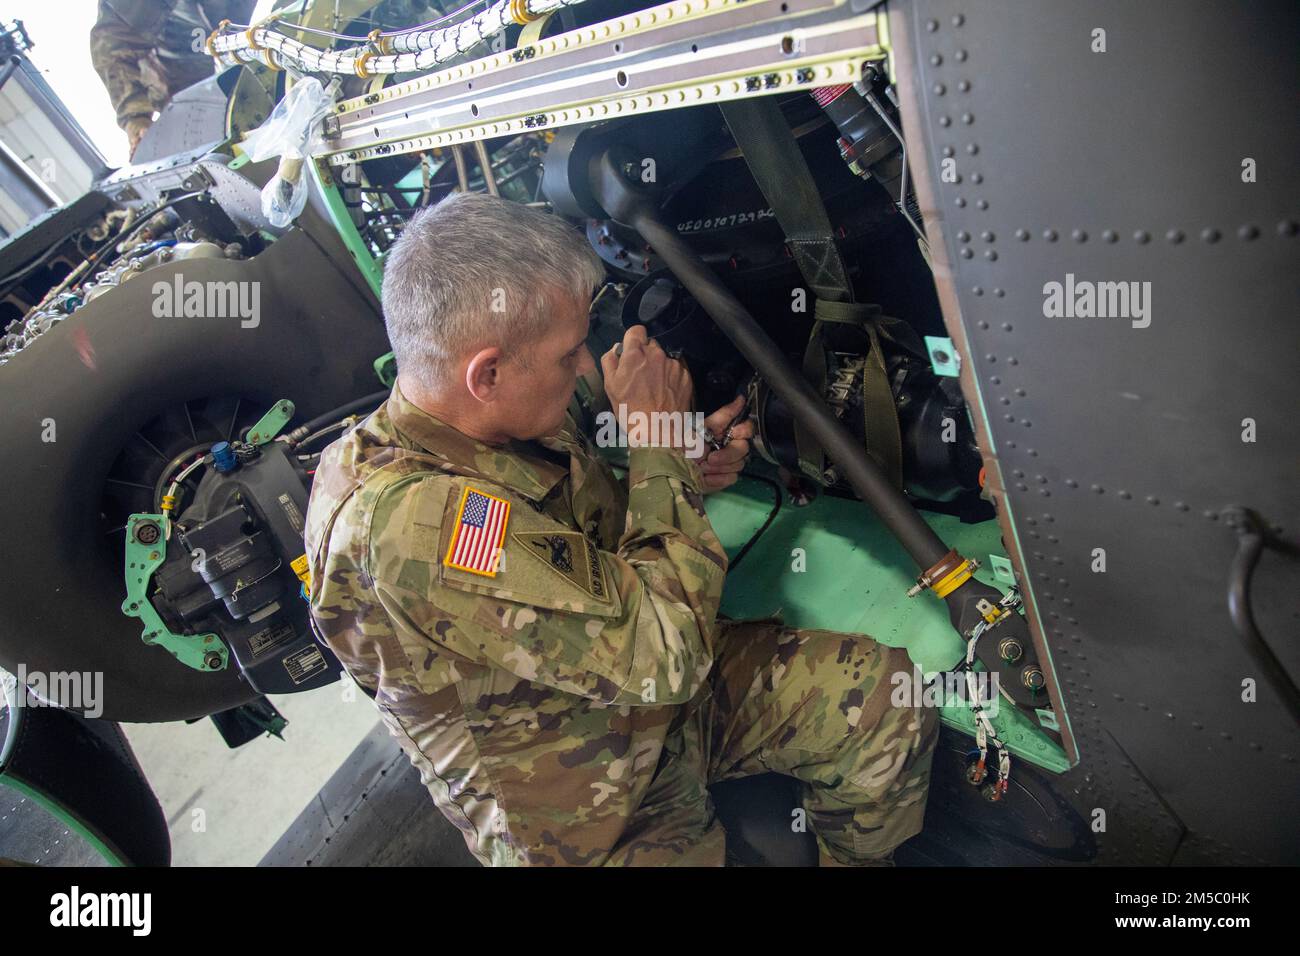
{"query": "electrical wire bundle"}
(401, 51)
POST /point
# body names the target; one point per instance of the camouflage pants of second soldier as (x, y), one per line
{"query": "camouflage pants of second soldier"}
(814, 705)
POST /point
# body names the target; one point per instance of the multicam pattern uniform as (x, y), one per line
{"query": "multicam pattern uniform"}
(573, 708)
(144, 50)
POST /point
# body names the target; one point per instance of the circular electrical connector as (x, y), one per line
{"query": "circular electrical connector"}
(148, 532)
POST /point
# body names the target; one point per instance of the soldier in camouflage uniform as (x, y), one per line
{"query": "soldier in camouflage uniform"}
(146, 51)
(572, 707)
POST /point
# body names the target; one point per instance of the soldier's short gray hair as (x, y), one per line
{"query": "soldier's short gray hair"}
(477, 271)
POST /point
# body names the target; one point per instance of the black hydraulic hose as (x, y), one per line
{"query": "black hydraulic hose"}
(369, 403)
(848, 454)
(1250, 545)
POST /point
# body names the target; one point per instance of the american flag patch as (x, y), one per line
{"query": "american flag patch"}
(480, 529)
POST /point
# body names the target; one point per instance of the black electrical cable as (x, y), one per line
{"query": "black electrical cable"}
(776, 508)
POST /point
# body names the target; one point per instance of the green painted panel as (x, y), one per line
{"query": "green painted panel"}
(855, 578)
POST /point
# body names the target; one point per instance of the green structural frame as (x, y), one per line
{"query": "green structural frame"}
(371, 268)
(386, 369)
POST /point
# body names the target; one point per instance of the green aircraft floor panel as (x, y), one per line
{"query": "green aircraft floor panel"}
(830, 564)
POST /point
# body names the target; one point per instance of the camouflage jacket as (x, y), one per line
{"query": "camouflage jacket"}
(146, 51)
(536, 702)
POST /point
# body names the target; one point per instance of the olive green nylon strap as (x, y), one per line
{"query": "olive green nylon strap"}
(778, 165)
(782, 174)
(880, 417)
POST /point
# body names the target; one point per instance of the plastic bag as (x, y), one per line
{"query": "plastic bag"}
(289, 132)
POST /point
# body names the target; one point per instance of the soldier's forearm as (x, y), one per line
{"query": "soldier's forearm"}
(665, 491)
(672, 544)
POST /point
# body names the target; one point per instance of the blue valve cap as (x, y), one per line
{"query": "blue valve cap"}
(223, 457)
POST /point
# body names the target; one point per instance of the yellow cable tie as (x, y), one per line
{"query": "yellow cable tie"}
(360, 65)
(213, 36)
(520, 13)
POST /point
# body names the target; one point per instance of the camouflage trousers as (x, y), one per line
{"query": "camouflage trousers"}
(810, 704)
(564, 781)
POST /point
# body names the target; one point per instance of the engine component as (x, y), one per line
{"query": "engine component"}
(146, 550)
(866, 142)
(236, 578)
(676, 321)
(21, 333)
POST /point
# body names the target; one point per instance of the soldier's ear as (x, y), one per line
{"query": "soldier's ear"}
(483, 374)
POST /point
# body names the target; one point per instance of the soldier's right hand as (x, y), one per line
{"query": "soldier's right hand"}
(644, 379)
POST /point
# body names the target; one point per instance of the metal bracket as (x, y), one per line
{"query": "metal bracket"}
(944, 358)
(146, 549)
(270, 424)
(1002, 569)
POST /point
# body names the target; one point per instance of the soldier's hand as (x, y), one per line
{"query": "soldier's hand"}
(136, 127)
(645, 381)
(722, 467)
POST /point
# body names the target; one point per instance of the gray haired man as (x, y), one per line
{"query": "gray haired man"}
(540, 636)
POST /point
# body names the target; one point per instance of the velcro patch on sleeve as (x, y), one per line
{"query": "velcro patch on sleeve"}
(478, 533)
(570, 555)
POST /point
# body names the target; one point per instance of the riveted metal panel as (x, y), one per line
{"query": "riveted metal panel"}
(1125, 164)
